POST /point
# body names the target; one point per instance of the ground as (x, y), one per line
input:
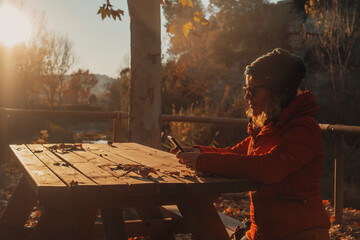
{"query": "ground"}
(234, 205)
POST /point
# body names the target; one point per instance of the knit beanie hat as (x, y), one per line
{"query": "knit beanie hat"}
(279, 70)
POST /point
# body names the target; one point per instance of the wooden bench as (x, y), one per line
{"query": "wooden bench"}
(230, 223)
(73, 185)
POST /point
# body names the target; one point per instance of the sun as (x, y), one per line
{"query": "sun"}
(15, 27)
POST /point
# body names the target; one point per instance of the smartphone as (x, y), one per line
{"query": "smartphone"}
(175, 143)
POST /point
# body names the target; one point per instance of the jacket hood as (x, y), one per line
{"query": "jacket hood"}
(302, 105)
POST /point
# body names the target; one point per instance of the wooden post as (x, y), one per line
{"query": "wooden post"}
(3, 142)
(117, 128)
(339, 178)
(145, 101)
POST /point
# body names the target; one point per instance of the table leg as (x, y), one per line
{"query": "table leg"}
(64, 224)
(203, 220)
(114, 226)
(17, 212)
(154, 212)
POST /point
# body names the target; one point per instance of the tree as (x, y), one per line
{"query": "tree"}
(59, 57)
(202, 64)
(145, 104)
(332, 39)
(28, 61)
(79, 86)
(119, 91)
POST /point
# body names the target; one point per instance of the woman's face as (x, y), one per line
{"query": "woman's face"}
(256, 95)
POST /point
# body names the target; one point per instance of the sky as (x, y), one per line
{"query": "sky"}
(102, 46)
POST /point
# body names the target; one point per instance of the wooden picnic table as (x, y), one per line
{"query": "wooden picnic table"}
(74, 183)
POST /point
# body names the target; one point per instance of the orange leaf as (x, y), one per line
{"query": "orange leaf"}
(197, 16)
(204, 21)
(182, 2)
(38, 213)
(357, 224)
(190, 3)
(228, 210)
(187, 27)
(170, 29)
(162, 2)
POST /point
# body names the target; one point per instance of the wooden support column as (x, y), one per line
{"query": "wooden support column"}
(114, 226)
(3, 142)
(17, 212)
(145, 101)
(2, 118)
(117, 128)
(339, 178)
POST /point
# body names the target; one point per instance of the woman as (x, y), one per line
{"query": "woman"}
(283, 151)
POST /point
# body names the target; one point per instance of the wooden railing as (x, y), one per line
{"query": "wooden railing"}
(338, 130)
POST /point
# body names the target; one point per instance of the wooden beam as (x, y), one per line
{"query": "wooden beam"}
(338, 128)
(215, 120)
(66, 114)
(202, 220)
(116, 129)
(3, 141)
(339, 178)
(145, 100)
(17, 212)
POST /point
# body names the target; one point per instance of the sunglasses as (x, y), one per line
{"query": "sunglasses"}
(251, 90)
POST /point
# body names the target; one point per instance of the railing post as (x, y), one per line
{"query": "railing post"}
(3, 142)
(117, 128)
(339, 177)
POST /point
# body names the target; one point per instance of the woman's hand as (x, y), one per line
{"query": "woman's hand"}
(189, 158)
(186, 149)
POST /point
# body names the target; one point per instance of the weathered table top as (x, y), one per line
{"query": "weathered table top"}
(102, 171)
(73, 181)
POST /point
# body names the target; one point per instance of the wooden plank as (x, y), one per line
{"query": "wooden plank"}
(65, 223)
(199, 216)
(136, 228)
(214, 184)
(87, 115)
(135, 154)
(216, 120)
(88, 169)
(229, 222)
(149, 212)
(17, 212)
(166, 162)
(157, 228)
(46, 185)
(80, 186)
(113, 221)
(64, 171)
(136, 183)
(122, 157)
(109, 162)
(108, 184)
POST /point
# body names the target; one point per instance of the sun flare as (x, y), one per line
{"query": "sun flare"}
(15, 27)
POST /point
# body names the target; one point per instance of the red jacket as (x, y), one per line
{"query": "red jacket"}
(287, 157)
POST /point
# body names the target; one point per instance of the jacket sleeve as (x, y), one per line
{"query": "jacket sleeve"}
(298, 145)
(240, 148)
